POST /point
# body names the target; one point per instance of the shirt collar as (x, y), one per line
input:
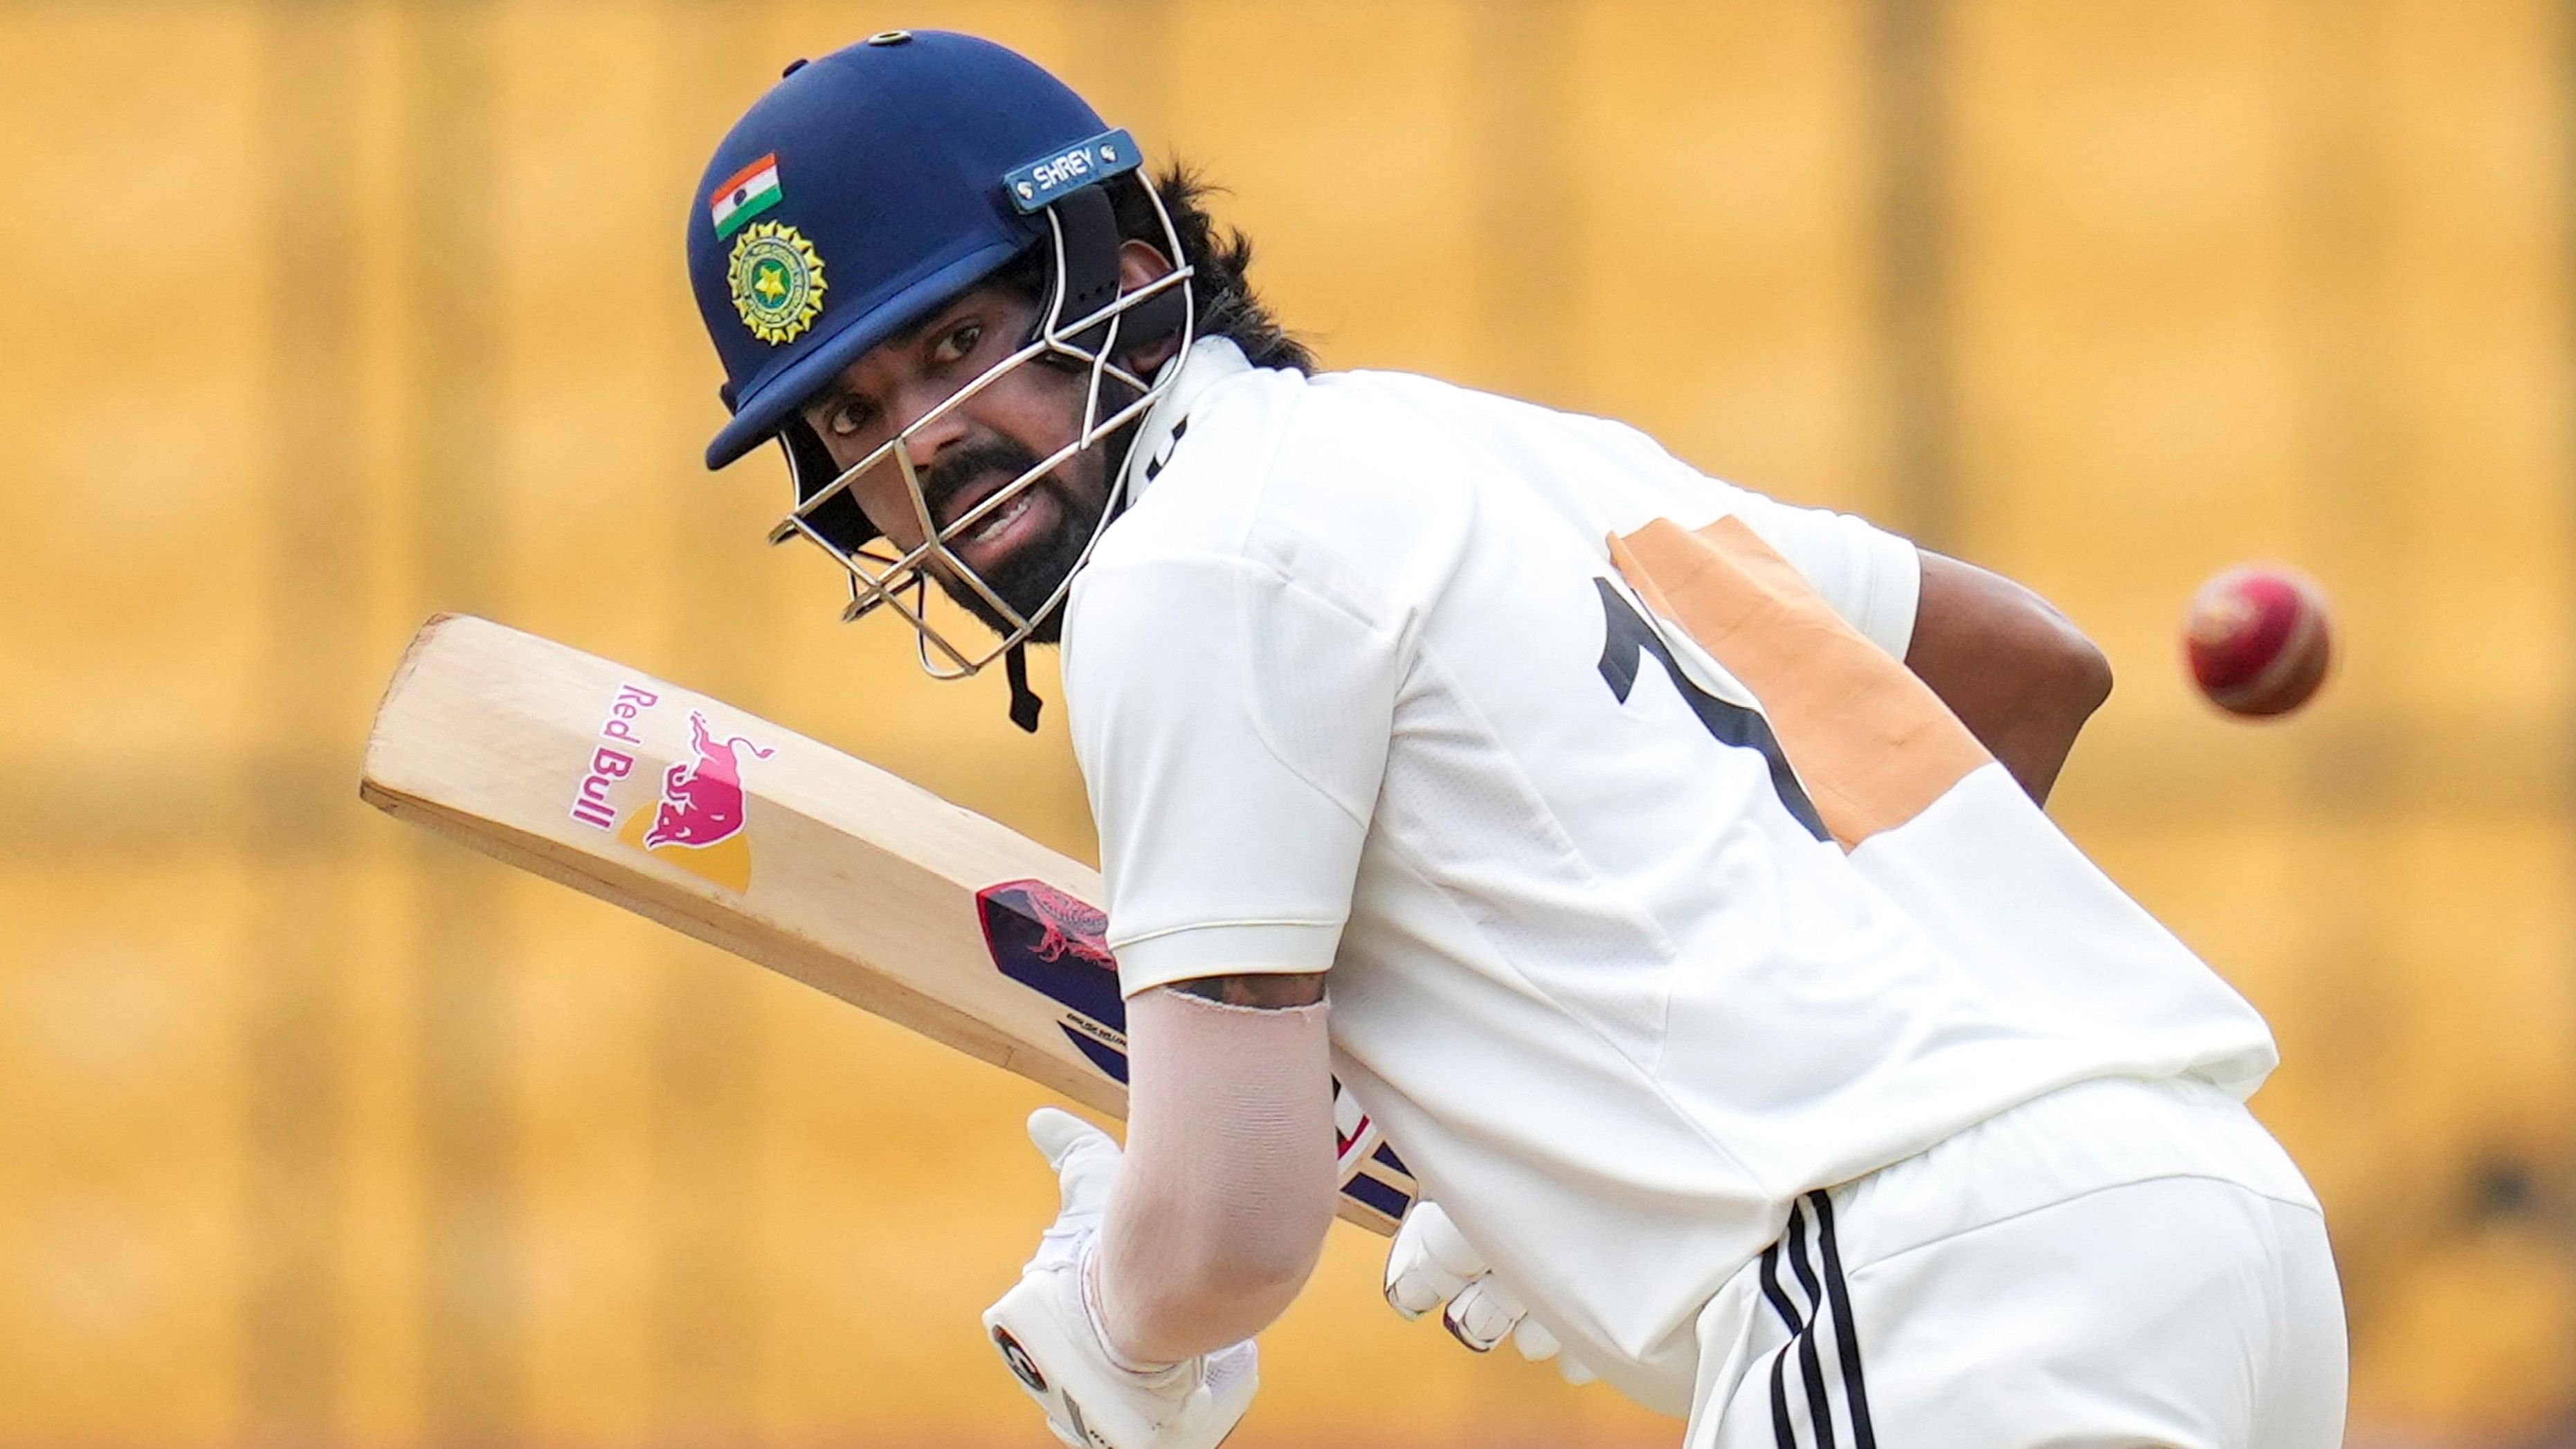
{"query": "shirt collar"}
(1209, 361)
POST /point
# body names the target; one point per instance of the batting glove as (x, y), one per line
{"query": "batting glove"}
(1431, 1264)
(1048, 1327)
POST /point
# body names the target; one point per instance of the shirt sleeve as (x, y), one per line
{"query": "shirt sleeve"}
(1232, 728)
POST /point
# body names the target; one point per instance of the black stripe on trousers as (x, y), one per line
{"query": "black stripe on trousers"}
(1820, 1275)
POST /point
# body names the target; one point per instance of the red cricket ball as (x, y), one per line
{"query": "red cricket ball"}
(2259, 639)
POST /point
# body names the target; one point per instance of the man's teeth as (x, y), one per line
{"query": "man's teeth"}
(999, 519)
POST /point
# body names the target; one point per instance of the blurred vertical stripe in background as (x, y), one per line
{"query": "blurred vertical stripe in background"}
(321, 315)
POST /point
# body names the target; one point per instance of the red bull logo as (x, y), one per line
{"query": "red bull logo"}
(702, 799)
(697, 822)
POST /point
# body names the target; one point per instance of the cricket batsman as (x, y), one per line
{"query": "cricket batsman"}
(1658, 864)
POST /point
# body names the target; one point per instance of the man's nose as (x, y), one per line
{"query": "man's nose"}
(927, 436)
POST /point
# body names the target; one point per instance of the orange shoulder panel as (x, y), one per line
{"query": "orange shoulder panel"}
(1871, 742)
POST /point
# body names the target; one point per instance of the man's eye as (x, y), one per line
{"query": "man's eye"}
(959, 342)
(845, 420)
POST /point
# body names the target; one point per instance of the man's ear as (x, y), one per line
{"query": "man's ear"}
(1140, 264)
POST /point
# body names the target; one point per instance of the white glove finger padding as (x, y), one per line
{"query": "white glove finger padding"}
(1483, 1314)
(1537, 1344)
(1429, 1262)
(1534, 1341)
(1085, 1160)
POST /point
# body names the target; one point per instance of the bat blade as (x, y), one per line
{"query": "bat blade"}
(778, 849)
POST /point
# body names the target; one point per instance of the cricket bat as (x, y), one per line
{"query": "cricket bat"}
(783, 851)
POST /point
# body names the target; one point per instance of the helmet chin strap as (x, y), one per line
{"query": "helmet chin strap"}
(1025, 703)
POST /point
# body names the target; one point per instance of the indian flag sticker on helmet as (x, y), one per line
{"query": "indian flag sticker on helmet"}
(776, 278)
(748, 193)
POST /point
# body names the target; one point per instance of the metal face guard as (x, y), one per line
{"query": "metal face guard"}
(883, 577)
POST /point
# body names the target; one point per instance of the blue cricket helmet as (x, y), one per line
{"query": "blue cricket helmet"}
(861, 192)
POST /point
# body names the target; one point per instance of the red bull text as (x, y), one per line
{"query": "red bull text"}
(613, 760)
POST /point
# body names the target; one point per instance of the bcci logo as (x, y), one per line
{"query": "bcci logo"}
(777, 281)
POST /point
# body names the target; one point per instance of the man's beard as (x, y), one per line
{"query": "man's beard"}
(1030, 575)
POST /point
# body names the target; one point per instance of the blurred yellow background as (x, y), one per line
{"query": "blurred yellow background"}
(316, 317)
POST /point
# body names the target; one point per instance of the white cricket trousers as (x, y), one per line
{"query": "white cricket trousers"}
(2118, 1263)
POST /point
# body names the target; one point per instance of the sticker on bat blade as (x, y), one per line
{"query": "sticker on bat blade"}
(1057, 945)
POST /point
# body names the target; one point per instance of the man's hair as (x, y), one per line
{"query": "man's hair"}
(1219, 256)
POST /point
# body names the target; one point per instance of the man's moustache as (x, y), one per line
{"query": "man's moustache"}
(953, 476)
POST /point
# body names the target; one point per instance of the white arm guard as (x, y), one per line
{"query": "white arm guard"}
(1227, 1188)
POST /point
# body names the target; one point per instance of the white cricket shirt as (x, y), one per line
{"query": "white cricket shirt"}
(1355, 687)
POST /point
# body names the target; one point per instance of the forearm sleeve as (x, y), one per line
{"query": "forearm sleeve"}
(1227, 1186)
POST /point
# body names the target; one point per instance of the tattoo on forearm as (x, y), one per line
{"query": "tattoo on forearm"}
(1270, 991)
